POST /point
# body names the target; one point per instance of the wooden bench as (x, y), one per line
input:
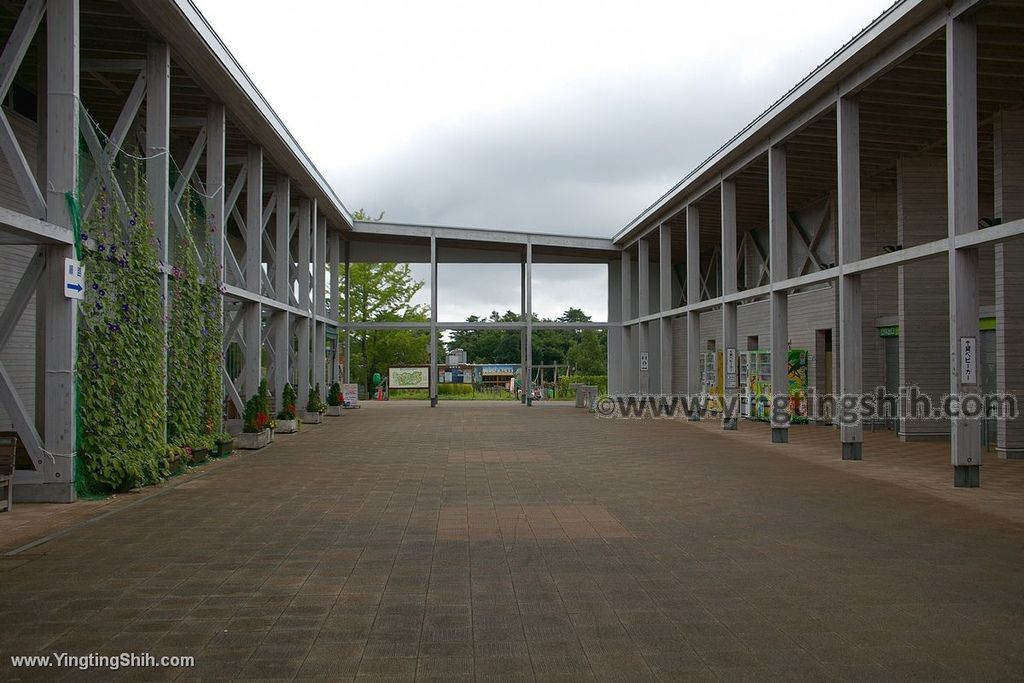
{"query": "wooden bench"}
(8, 449)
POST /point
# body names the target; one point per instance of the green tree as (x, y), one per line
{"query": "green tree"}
(585, 347)
(383, 292)
(589, 356)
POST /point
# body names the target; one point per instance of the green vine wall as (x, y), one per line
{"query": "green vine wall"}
(120, 347)
(186, 348)
(134, 431)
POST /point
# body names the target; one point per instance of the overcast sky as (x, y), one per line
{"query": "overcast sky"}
(563, 117)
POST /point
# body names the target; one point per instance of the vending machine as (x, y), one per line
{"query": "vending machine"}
(742, 386)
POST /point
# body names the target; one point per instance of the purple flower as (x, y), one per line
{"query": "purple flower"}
(123, 263)
(85, 237)
(95, 286)
(100, 248)
(103, 292)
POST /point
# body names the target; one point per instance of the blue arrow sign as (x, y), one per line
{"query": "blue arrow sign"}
(77, 288)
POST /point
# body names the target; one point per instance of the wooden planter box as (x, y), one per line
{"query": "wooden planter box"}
(334, 411)
(253, 441)
(287, 426)
(200, 455)
(224, 448)
(313, 418)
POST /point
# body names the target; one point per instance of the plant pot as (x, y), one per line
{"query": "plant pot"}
(225, 448)
(253, 441)
(287, 426)
(313, 418)
(200, 455)
(334, 411)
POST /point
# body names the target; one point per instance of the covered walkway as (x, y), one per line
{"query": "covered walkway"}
(486, 541)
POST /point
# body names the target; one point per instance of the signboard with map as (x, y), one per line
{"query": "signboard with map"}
(409, 378)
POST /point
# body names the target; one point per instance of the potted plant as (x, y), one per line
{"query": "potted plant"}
(287, 421)
(315, 406)
(177, 458)
(225, 444)
(255, 433)
(334, 400)
(200, 451)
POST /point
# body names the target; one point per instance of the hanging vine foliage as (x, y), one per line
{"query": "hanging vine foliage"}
(213, 335)
(120, 346)
(185, 348)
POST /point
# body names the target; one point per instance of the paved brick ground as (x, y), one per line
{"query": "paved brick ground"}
(502, 543)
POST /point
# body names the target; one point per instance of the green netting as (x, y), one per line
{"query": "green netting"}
(132, 428)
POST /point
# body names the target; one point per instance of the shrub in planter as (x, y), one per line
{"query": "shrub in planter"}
(225, 444)
(334, 400)
(287, 421)
(177, 458)
(315, 406)
(255, 423)
(201, 449)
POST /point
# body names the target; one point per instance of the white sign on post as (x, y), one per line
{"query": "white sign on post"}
(350, 395)
(643, 361)
(969, 360)
(74, 279)
(730, 368)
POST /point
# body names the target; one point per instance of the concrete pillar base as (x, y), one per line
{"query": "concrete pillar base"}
(853, 450)
(1010, 453)
(52, 492)
(730, 424)
(433, 402)
(780, 435)
(966, 476)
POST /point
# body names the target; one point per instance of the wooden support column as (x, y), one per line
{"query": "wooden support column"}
(347, 368)
(851, 340)
(253, 321)
(282, 239)
(962, 184)
(60, 322)
(528, 381)
(282, 355)
(303, 325)
(643, 283)
(433, 322)
(522, 331)
(334, 257)
(730, 353)
(615, 352)
(779, 298)
(665, 302)
(1008, 146)
(215, 178)
(282, 287)
(319, 307)
(626, 297)
(693, 370)
(215, 158)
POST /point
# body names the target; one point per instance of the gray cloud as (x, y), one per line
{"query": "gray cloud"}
(584, 165)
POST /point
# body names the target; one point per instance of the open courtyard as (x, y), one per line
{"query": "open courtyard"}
(488, 541)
